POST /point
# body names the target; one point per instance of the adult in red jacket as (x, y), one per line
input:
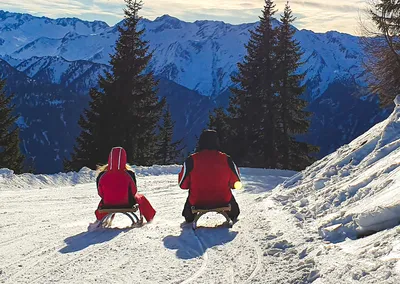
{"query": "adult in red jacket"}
(116, 185)
(209, 175)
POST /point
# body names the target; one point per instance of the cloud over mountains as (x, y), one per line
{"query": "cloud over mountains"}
(316, 15)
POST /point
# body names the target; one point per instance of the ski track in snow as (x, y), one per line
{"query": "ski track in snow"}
(203, 266)
(259, 262)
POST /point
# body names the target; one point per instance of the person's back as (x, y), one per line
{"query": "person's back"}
(211, 179)
(115, 189)
(209, 175)
(116, 186)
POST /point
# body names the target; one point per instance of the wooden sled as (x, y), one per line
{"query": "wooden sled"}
(220, 210)
(130, 212)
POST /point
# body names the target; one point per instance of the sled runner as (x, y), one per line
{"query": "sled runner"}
(220, 210)
(130, 212)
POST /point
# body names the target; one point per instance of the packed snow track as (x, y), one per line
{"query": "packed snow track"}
(44, 238)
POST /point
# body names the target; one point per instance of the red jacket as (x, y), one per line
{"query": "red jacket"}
(209, 175)
(117, 186)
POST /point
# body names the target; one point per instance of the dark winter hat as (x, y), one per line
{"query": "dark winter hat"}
(209, 140)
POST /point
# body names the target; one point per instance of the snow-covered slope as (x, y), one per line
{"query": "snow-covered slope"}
(355, 190)
(78, 75)
(200, 56)
(353, 193)
(269, 243)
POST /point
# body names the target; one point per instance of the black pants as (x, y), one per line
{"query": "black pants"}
(233, 214)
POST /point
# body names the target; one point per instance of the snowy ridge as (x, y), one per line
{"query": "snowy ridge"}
(18, 30)
(354, 191)
(57, 70)
(200, 56)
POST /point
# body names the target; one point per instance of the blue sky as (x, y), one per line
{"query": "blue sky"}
(316, 15)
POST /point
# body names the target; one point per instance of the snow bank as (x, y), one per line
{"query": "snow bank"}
(9, 180)
(267, 172)
(354, 191)
(157, 170)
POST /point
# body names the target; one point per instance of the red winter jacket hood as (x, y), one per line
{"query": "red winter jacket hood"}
(117, 159)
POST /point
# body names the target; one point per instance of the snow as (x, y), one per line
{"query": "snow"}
(10, 181)
(44, 133)
(61, 249)
(39, 47)
(351, 199)
(21, 122)
(397, 101)
(18, 30)
(354, 191)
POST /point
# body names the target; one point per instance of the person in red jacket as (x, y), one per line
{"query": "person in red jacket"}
(209, 175)
(116, 185)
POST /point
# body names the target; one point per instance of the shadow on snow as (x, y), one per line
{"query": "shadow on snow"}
(86, 239)
(190, 244)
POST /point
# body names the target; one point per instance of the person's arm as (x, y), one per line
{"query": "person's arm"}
(184, 175)
(235, 173)
(132, 190)
(99, 191)
(133, 183)
(133, 176)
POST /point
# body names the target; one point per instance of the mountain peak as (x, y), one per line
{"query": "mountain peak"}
(167, 22)
(167, 18)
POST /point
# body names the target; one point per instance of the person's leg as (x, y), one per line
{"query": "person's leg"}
(99, 215)
(187, 212)
(235, 211)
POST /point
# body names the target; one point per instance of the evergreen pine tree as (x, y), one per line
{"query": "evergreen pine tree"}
(10, 154)
(253, 106)
(220, 122)
(382, 49)
(168, 152)
(126, 110)
(89, 144)
(293, 119)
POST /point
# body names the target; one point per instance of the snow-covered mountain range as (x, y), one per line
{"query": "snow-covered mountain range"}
(197, 58)
(200, 56)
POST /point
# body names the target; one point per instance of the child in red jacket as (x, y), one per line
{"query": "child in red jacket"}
(209, 175)
(116, 185)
